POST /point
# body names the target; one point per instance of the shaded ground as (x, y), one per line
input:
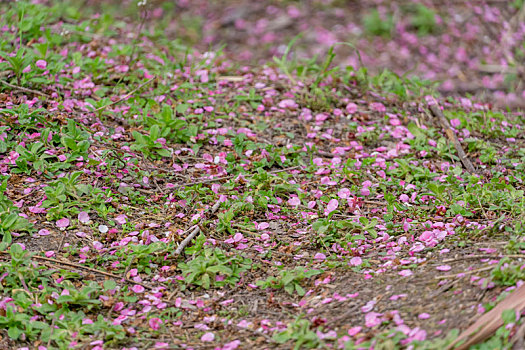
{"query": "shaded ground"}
(470, 47)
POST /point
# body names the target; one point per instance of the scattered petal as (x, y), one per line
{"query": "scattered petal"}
(62, 223)
(137, 288)
(207, 337)
(83, 217)
(443, 268)
(320, 256)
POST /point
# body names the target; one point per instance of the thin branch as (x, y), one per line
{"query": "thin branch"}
(486, 268)
(82, 267)
(485, 256)
(195, 231)
(24, 89)
(436, 110)
(187, 240)
(125, 96)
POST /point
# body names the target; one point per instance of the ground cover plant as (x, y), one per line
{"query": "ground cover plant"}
(157, 191)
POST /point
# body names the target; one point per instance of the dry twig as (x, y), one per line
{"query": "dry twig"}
(82, 267)
(195, 231)
(485, 256)
(24, 89)
(125, 96)
(436, 110)
(486, 268)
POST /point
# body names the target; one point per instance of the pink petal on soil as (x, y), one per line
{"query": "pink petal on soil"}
(405, 273)
(138, 288)
(155, 323)
(232, 345)
(208, 336)
(294, 201)
(263, 226)
(332, 205)
(288, 104)
(121, 219)
(62, 223)
(365, 191)
(443, 268)
(43, 232)
(351, 108)
(356, 261)
(354, 330)
(320, 256)
(83, 217)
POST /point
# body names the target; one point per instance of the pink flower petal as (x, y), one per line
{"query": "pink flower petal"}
(351, 108)
(320, 256)
(62, 223)
(354, 330)
(288, 104)
(343, 193)
(294, 201)
(405, 273)
(455, 122)
(43, 232)
(263, 226)
(208, 337)
(41, 64)
(356, 261)
(155, 323)
(138, 288)
(83, 217)
(443, 268)
(332, 205)
(121, 219)
(238, 237)
(365, 191)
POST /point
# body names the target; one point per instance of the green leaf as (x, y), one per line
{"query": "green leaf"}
(288, 277)
(508, 316)
(300, 291)
(205, 281)
(16, 250)
(14, 332)
(139, 137)
(163, 152)
(69, 142)
(181, 108)
(281, 337)
(289, 288)
(357, 238)
(64, 299)
(154, 132)
(110, 284)
(415, 130)
(363, 220)
(9, 220)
